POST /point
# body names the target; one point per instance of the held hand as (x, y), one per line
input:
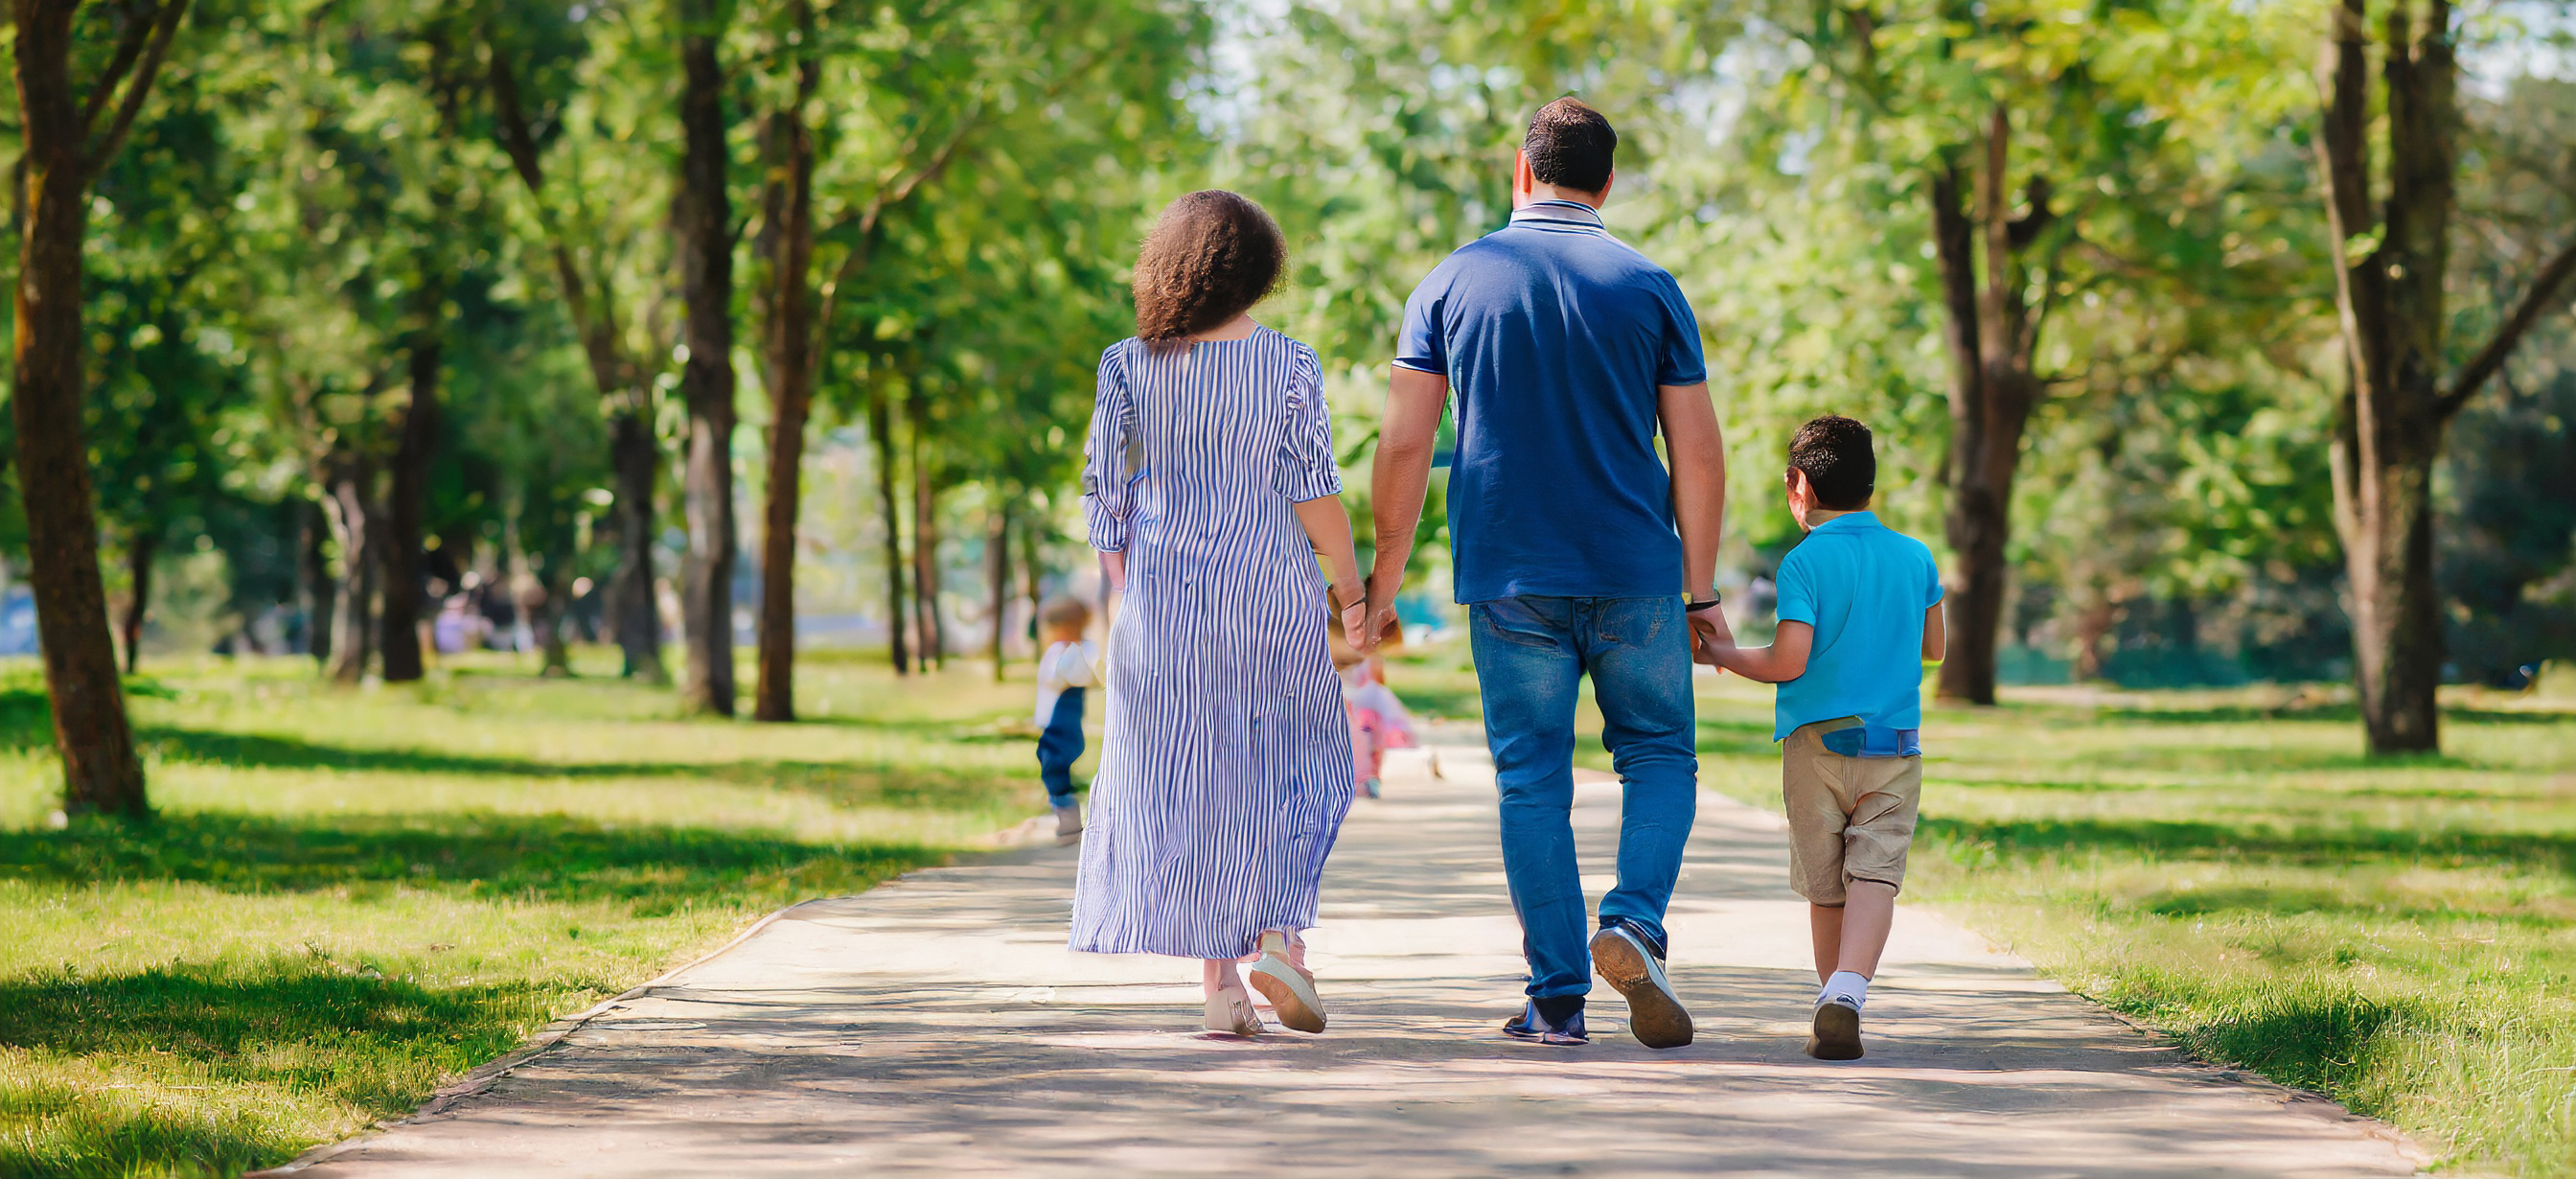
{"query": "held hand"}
(1381, 615)
(1709, 631)
(1350, 605)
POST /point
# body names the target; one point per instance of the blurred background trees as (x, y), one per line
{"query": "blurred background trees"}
(404, 324)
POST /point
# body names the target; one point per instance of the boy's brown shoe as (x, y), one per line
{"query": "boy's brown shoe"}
(1837, 1031)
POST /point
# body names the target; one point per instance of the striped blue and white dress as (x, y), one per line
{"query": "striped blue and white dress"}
(1226, 768)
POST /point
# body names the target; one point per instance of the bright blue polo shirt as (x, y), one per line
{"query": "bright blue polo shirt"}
(1864, 587)
(1554, 336)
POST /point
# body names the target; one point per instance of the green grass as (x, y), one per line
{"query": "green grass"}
(2230, 868)
(351, 896)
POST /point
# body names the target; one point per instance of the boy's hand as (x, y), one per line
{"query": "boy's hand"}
(1709, 631)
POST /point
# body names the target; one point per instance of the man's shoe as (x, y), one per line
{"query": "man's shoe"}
(1837, 1032)
(1655, 1014)
(1530, 1025)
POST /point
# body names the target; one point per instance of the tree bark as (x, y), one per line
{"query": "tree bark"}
(706, 381)
(314, 582)
(925, 541)
(355, 523)
(789, 223)
(63, 149)
(1990, 334)
(881, 428)
(138, 570)
(637, 462)
(405, 501)
(998, 558)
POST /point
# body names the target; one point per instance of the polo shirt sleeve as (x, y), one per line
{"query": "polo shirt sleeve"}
(1423, 342)
(1796, 587)
(1682, 362)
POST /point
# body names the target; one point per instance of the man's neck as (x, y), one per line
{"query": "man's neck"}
(1549, 192)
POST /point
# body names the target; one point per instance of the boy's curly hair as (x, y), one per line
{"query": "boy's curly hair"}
(1835, 453)
(1211, 256)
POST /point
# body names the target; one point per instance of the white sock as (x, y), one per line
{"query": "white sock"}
(1846, 984)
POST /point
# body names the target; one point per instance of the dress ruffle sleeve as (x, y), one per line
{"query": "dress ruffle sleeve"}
(1307, 469)
(1111, 463)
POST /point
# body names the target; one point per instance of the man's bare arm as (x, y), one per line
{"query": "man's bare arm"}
(1697, 451)
(1400, 476)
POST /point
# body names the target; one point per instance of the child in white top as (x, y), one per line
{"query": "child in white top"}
(1069, 665)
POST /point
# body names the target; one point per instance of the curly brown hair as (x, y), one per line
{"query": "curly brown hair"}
(1212, 255)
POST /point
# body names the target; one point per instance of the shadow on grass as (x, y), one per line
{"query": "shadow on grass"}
(310, 1026)
(842, 782)
(2338, 713)
(2154, 839)
(652, 869)
(2319, 1040)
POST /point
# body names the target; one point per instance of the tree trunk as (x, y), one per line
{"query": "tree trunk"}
(631, 608)
(314, 583)
(138, 569)
(790, 227)
(356, 525)
(1990, 336)
(92, 735)
(1032, 568)
(881, 428)
(925, 543)
(998, 558)
(706, 380)
(404, 503)
(633, 453)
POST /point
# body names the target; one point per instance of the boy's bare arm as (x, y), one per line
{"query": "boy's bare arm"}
(1785, 659)
(1936, 637)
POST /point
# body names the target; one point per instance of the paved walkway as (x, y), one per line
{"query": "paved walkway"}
(937, 1026)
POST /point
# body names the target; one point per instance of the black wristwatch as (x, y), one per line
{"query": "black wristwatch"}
(1710, 604)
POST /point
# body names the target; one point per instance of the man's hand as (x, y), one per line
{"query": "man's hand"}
(1380, 615)
(1350, 602)
(1709, 631)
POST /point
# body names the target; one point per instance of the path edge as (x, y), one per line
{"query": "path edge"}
(485, 1075)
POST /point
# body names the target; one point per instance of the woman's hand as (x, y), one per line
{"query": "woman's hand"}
(1351, 602)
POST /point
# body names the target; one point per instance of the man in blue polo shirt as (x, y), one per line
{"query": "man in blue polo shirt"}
(1568, 352)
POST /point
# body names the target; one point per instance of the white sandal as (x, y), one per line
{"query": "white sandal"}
(1288, 986)
(1230, 1011)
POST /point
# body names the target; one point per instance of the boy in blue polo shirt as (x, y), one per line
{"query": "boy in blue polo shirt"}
(1859, 603)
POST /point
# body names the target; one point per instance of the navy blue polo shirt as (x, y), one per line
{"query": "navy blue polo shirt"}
(1554, 336)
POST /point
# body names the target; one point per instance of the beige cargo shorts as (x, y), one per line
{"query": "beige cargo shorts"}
(1850, 818)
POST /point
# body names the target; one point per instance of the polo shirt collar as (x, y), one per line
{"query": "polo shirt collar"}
(1863, 518)
(1575, 212)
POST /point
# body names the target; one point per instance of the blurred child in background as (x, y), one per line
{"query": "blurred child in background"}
(1069, 665)
(1378, 720)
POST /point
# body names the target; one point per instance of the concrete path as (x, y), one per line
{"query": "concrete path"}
(937, 1026)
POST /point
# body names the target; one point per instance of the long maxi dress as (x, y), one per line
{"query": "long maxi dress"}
(1225, 770)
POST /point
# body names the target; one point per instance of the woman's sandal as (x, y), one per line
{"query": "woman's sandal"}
(1290, 989)
(1230, 1011)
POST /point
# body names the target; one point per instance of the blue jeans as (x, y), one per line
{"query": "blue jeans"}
(1060, 746)
(1531, 653)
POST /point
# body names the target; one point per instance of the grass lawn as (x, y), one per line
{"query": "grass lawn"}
(351, 895)
(2230, 868)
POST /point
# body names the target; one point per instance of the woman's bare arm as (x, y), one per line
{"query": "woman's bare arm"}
(1328, 529)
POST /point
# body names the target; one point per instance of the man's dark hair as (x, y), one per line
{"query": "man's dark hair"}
(1834, 452)
(1569, 145)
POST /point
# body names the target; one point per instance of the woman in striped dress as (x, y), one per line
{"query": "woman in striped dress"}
(1210, 489)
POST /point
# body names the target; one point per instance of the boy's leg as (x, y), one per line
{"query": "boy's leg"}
(1810, 778)
(1526, 671)
(1637, 651)
(1825, 929)
(1886, 792)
